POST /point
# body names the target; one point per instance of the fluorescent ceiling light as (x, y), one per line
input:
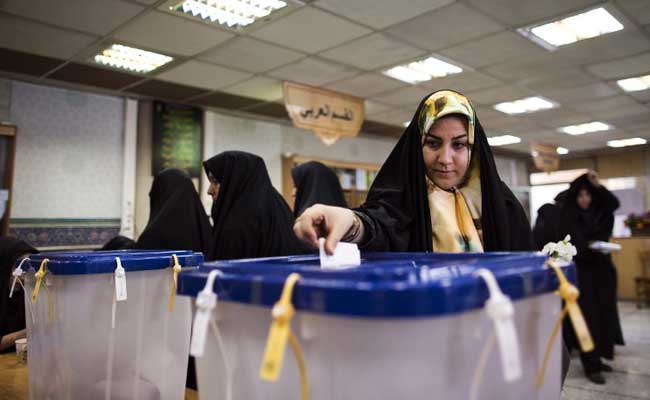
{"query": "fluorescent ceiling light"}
(526, 105)
(130, 58)
(573, 29)
(229, 12)
(424, 70)
(634, 84)
(562, 150)
(581, 129)
(626, 142)
(503, 140)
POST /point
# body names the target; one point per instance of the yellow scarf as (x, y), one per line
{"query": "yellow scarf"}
(454, 227)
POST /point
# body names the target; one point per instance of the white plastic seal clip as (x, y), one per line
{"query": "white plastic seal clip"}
(18, 272)
(120, 281)
(500, 309)
(120, 289)
(206, 301)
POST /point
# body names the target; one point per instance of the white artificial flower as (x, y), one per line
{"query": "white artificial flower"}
(561, 251)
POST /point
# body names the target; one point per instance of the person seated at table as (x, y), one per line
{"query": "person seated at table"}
(12, 309)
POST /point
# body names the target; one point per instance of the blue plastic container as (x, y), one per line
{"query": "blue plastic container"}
(402, 325)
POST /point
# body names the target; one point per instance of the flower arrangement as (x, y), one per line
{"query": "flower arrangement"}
(562, 251)
(639, 224)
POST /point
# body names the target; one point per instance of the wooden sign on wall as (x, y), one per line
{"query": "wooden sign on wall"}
(329, 114)
(545, 157)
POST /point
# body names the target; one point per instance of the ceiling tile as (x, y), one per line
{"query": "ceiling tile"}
(258, 87)
(498, 94)
(372, 108)
(445, 27)
(166, 90)
(623, 68)
(365, 85)
(310, 30)
(467, 81)
(24, 63)
(559, 117)
(598, 107)
(172, 35)
(98, 17)
(394, 117)
(549, 136)
(372, 52)
(493, 49)
(202, 75)
(524, 70)
(614, 45)
(509, 126)
(94, 76)
(642, 96)
(407, 97)
(313, 71)
(558, 79)
(639, 10)
(486, 113)
(20, 34)
(518, 13)
(249, 54)
(380, 13)
(623, 112)
(629, 121)
(587, 92)
(642, 130)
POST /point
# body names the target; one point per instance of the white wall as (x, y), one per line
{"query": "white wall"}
(69, 153)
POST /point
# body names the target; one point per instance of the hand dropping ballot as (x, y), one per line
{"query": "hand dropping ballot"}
(346, 255)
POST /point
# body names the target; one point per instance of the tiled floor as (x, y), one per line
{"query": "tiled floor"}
(631, 377)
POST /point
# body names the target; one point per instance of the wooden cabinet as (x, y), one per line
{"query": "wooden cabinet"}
(628, 264)
(355, 178)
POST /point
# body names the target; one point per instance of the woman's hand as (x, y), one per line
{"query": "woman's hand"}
(330, 222)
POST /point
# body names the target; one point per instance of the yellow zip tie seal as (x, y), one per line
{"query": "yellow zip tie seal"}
(569, 294)
(175, 270)
(279, 334)
(40, 274)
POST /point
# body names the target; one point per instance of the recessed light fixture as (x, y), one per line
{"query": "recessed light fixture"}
(581, 129)
(526, 105)
(230, 13)
(131, 59)
(562, 150)
(573, 29)
(634, 84)
(424, 70)
(503, 140)
(626, 142)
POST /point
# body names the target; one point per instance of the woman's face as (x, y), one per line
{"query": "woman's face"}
(213, 189)
(584, 199)
(446, 151)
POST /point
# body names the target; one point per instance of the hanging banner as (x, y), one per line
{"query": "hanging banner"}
(545, 157)
(329, 114)
(177, 137)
